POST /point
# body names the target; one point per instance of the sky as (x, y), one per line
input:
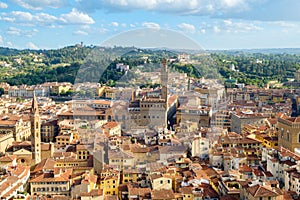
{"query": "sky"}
(213, 24)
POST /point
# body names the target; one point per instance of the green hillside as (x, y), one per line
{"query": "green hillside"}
(90, 63)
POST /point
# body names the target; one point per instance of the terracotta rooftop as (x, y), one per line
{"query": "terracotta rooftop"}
(81, 147)
(46, 164)
(105, 102)
(162, 194)
(7, 158)
(294, 119)
(138, 191)
(50, 177)
(92, 193)
(263, 191)
(245, 168)
(111, 125)
(187, 190)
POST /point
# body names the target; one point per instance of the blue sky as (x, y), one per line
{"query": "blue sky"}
(213, 24)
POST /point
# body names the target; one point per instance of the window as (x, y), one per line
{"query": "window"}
(282, 132)
(161, 182)
(299, 137)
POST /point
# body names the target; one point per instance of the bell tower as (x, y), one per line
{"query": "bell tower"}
(35, 131)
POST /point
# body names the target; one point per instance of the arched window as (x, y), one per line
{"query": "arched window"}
(282, 132)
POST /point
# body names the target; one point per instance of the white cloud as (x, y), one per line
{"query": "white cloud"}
(198, 7)
(233, 3)
(13, 31)
(23, 16)
(203, 31)
(151, 25)
(231, 26)
(30, 45)
(216, 29)
(18, 32)
(26, 18)
(3, 5)
(285, 24)
(76, 17)
(114, 24)
(41, 4)
(79, 32)
(239, 9)
(9, 44)
(188, 28)
(227, 22)
(44, 19)
(238, 27)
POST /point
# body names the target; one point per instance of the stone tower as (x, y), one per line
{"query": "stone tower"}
(35, 132)
(164, 80)
(164, 88)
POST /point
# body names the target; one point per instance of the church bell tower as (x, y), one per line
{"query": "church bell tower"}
(35, 131)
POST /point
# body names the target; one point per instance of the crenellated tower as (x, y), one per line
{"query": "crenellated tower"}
(164, 88)
(164, 80)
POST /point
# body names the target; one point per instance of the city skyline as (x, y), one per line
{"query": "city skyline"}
(224, 24)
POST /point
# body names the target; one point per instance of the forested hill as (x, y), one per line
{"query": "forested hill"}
(37, 66)
(257, 68)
